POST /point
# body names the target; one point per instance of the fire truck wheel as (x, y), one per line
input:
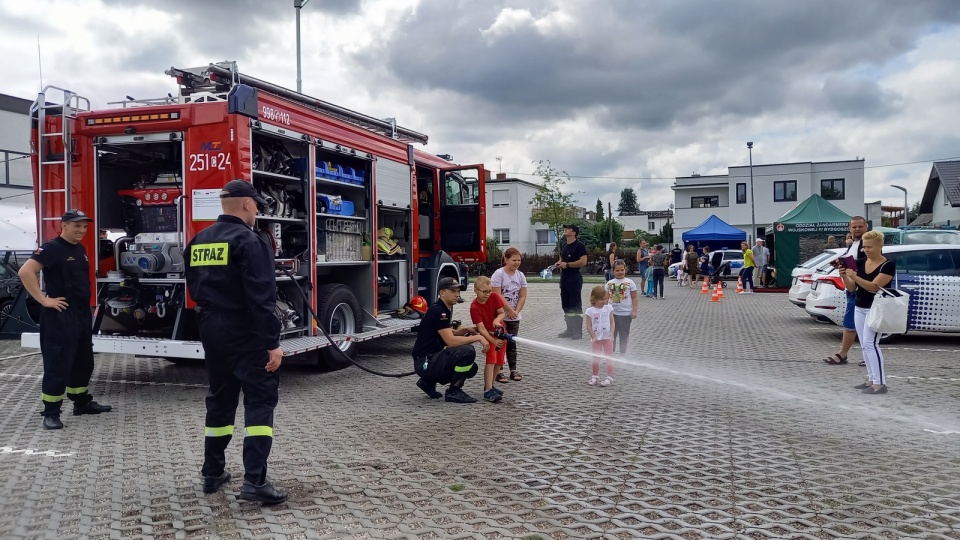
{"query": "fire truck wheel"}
(5, 308)
(339, 313)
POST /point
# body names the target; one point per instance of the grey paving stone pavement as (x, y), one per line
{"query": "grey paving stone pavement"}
(721, 423)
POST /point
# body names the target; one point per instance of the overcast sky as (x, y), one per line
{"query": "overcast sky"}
(634, 92)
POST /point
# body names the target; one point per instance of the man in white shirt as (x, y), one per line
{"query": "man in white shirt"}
(858, 226)
(761, 258)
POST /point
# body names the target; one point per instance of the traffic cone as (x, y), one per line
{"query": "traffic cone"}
(715, 297)
(706, 288)
(739, 285)
(720, 291)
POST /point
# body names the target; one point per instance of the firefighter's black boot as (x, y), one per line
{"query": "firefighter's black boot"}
(90, 407)
(569, 331)
(576, 327)
(51, 415)
(212, 484)
(265, 493)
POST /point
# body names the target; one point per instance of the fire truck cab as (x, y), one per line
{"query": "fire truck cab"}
(360, 221)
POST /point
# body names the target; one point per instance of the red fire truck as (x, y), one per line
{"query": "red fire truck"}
(360, 221)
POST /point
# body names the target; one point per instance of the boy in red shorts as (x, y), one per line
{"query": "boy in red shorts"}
(487, 313)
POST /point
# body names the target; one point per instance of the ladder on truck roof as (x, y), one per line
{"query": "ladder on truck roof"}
(48, 161)
(220, 77)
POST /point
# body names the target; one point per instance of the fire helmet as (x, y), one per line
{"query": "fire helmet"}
(418, 304)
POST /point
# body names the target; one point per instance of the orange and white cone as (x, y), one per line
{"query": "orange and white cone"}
(739, 285)
(719, 291)
(706, 288)
(715, 297)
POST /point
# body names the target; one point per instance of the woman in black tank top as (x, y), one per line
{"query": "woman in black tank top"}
(872, 273)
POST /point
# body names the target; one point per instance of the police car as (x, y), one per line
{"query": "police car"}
(929, 273)
(732, 256)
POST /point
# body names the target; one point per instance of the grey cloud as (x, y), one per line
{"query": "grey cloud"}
(854, 97)
(229, 29)
(649, 65)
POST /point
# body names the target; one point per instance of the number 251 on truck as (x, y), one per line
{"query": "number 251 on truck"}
(359, 221)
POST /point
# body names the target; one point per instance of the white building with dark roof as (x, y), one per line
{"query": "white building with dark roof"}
(940, 204)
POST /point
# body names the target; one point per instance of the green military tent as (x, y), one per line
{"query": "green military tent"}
(803, 232)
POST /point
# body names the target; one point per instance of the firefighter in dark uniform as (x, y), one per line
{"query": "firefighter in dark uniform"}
(66, 325)
(230, 274)
(573, 256)
(444, 355)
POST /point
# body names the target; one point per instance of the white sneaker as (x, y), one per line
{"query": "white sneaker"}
(750, 292)
(593, 380)
(607, 381)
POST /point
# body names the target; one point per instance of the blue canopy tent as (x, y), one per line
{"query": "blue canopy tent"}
(716, 233)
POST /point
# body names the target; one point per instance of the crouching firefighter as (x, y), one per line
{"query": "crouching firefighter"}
(66, 324)
(442, 355)
(230, 274)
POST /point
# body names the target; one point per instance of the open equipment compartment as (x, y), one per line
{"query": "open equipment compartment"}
(140, 191)
(279, 163)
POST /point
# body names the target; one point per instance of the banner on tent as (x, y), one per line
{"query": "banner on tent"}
(822, 227)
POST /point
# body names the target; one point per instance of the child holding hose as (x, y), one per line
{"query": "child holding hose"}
(510, 283)
(486, 311)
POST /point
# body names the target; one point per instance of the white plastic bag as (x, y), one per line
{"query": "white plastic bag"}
(888, 315)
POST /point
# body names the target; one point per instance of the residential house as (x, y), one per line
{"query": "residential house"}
(777, 188)
(509, 211)
(648, 221)
(940, 204)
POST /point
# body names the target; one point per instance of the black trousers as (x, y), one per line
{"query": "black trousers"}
(658, 275)
(236, 361)
(570, 301)
(453, 366)
(66, 344)
(513, 327)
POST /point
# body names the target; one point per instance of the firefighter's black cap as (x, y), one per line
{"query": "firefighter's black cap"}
(241, 188)
(74, 215)
(448, 283)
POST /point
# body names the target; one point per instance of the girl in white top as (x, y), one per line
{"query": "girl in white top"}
(600, 326)
(624, 299)
(510, 283)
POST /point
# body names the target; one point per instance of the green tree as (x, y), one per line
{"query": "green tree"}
(913, 213)
(666, 235)
(550, 204)
(628, 203)
(599, 211)
(601, 231)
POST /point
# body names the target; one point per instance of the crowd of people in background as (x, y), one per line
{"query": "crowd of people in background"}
(614, 305)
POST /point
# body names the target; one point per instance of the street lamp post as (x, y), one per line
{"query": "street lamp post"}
(753, 214)
(904, 190)
(297, 4)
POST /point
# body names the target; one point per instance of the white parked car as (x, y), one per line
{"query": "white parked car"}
(803, 274)
(929, 273)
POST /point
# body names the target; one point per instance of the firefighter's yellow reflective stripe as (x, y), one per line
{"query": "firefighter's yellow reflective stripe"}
(218, 431)
(462, 369)
(258, 431)
(79, 390)
(51, 399)
(210, 254)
